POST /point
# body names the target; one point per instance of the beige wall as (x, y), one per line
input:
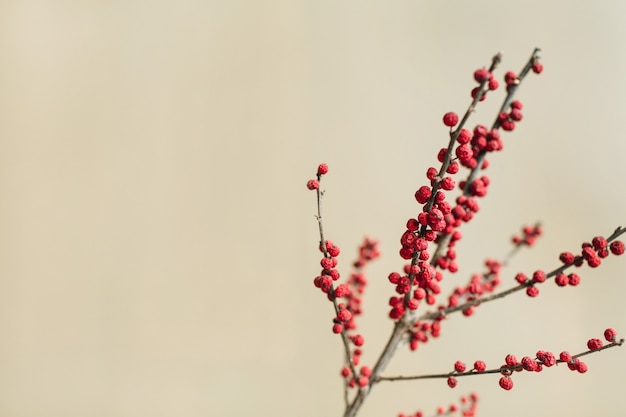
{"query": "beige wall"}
(157, 243)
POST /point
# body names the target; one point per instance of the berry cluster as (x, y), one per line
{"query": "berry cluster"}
(548, 359)
(428, 243)
(466, 407)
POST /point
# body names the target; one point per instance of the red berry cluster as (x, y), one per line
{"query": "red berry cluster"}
(548, 359)
(593, 252)
(529, 235)
(484, 78)
(467, 406)
(429, 243)
(351, 291)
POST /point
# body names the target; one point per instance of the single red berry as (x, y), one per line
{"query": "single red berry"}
(453, 168)
(508, 125)
(594, 344)
(363, 381)
(431, 173)
(539, 276)
(464, 136)
(594, 262)
(516, 104)
(448, 183)
(342, 290)
(510, 360)
(567, 258)
(573, 279)
(345, 371)
(599, 242)
(312, 184)
(617, 247)
(506, 383)
(344, 316)
(459, 366)
(358, 340)
(480, 366)
(610, 334)
(565, 356)
(532, 291)
(510, 78)
(529, 363)
(468, 311)
(337, 328)
(366, 371)
(452, 382)
(450, 119)
(561, 280)
(322, 169)
(423, 194)
(581, 366)
(481, 74)
(537, 67)
(493, 84)
(521, 277)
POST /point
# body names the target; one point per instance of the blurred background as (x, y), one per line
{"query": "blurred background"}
(158, 244)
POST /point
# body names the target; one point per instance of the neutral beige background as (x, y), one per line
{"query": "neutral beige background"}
(157, 243)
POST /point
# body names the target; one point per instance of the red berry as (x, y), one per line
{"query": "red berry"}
(480, 366)
(565, 356)
(581, 366)
(481, 74)
(548, 359)
(459, 366)
(510, 78)
(610, 334)
(529, 363)
(450, 119)
(508, 125)
(337, 328)
(423, 194)
(520, 277)
(537, 67)
(599, 242)
(594, 344)
(464, 136)
(452, 382)
(453, 168)
(567, 258)
(506, 383)
(561, 280)
(617, 247)
(573, 279)
(313, 184)
(532, 291)
(322, 169)
(448, 183)
(493, 84)
(539, 276)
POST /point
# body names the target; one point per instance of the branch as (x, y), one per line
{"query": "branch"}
(501, 370)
